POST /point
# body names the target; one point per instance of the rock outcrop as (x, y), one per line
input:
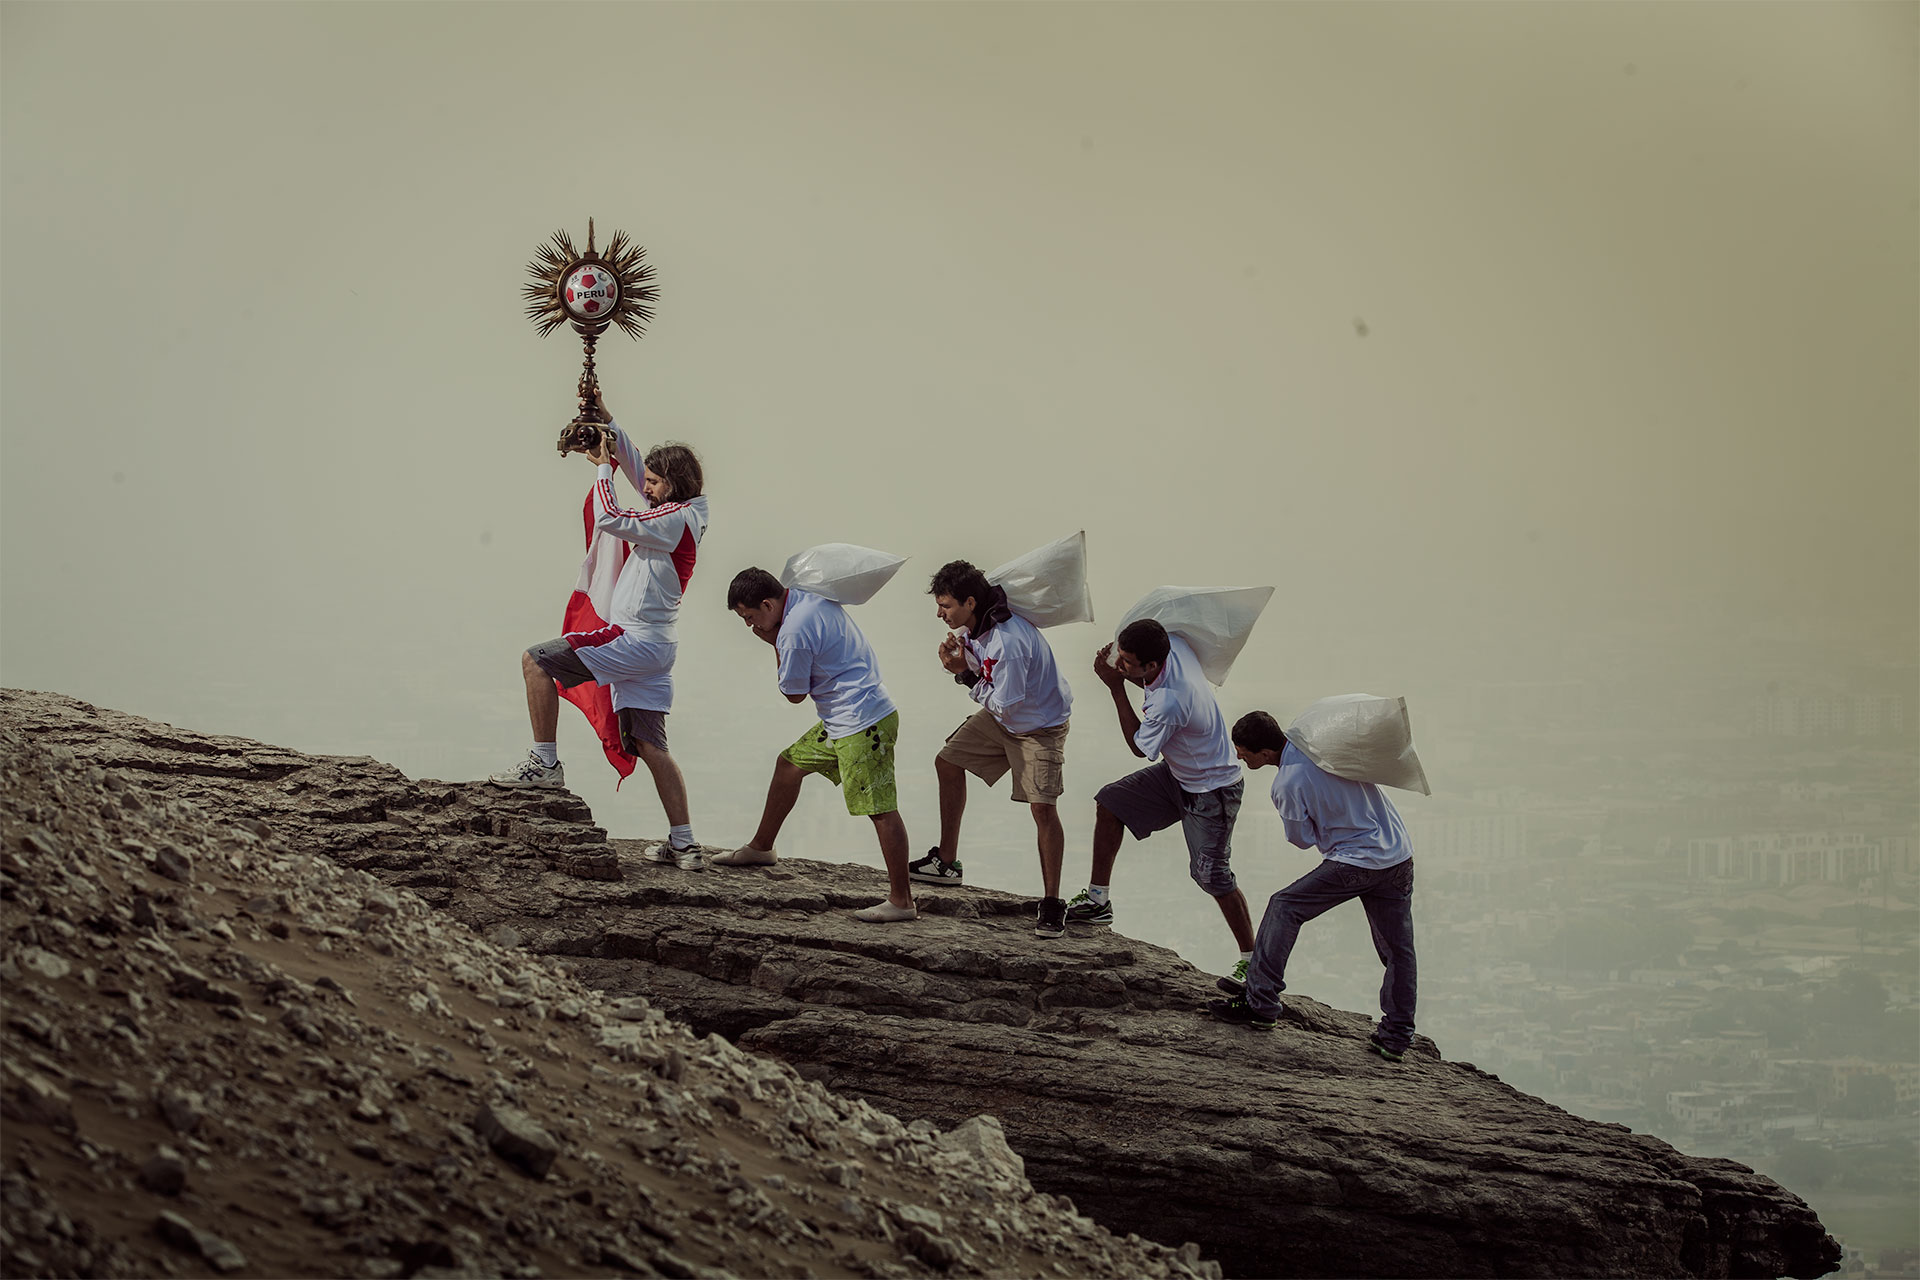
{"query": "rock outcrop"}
(1291, 1153)
(222, 1055)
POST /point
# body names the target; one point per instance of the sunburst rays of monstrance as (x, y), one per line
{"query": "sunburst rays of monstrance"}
(590, 291)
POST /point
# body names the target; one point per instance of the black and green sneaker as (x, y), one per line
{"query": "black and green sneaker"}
(1241, 1014)
(934, 871)
(1235, 983)
(1391, 1055)
(1082, 909)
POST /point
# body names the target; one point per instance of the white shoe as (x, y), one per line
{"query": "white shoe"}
(886, 913)
(531, 773)
(691, 858)
(745, 856)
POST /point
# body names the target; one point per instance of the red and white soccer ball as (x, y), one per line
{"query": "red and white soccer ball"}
(589, 292)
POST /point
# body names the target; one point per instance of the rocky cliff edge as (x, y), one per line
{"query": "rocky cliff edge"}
(1293, 1153)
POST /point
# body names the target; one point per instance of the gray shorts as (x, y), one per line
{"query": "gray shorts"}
(1150, 800)
(557, 659)
(637, 726)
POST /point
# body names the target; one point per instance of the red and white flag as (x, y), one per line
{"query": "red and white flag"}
(587, 610)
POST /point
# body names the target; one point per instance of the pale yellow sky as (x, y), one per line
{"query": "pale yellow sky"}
(1638, 285)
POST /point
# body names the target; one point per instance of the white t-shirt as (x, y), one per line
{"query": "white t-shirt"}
(1020, 683)
(823, 654)
(1183, 724)
(1347, 821)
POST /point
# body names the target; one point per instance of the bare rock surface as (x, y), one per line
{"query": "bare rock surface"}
(1290, 1153)
(223, 1055)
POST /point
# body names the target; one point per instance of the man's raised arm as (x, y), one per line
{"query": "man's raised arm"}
(1122, 705)
(793, 672)
(623, 453)
(660, 526)
(627, 456)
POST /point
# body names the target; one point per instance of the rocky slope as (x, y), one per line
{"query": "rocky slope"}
(1293, 1153)
(222, 1055)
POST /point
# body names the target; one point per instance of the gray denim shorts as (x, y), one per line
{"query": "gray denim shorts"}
(1150, 800)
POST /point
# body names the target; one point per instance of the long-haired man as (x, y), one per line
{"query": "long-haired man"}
(634, 653)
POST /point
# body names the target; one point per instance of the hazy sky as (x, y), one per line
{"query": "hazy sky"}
(1454, 322)
(1549, 341)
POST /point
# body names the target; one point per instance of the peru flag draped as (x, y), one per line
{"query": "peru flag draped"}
(587, 610)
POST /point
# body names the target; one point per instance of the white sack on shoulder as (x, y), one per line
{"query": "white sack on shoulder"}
(1362, 738)
(1048, 586)
(840, 571)
(1216, 621)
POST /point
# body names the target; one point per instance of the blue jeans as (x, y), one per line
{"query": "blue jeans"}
(1387, 895)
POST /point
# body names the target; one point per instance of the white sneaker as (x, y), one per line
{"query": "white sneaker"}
(531, 773)
(691, 858)
(745, 856)
(886, 913)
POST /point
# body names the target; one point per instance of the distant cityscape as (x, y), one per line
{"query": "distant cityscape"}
(1706, 932)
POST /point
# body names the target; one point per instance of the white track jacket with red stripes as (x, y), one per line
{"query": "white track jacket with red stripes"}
(663, 542)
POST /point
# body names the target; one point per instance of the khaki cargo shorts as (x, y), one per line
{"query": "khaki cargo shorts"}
(987, 751)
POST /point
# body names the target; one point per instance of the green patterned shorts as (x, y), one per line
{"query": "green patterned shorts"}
(862, 764)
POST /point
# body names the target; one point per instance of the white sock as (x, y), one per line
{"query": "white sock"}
(1098, 892)
(547, 753)
(1246, 957)
(680, 837)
